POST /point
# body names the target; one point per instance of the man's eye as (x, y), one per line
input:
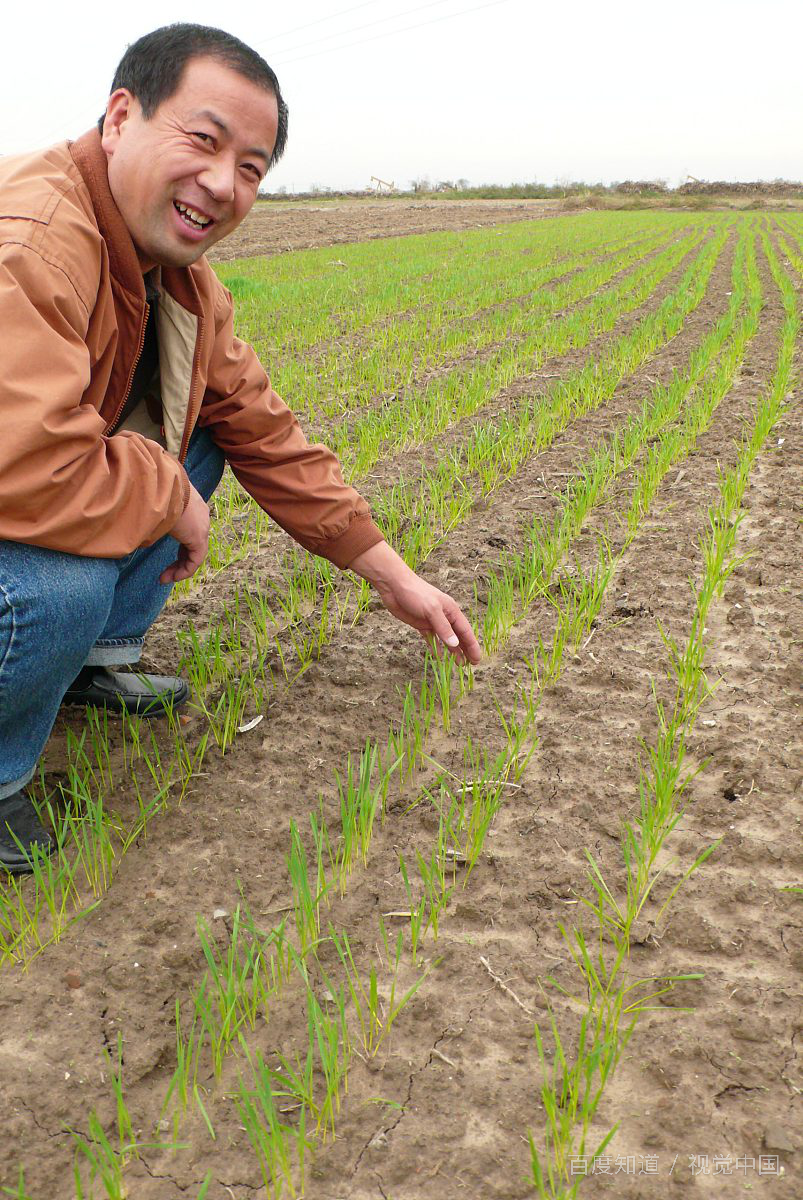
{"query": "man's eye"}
(205, 137)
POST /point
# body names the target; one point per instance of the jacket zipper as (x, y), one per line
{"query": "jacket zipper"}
(131, 373)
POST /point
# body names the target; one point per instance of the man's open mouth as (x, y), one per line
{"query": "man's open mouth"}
(191, 217)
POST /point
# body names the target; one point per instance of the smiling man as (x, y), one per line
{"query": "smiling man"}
(124, 391)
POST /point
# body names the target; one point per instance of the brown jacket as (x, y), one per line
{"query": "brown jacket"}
(72, 321)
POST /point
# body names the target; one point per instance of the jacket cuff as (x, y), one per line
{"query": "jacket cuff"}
(360, 536)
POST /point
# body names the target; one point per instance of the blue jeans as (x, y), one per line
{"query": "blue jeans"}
(60, 612)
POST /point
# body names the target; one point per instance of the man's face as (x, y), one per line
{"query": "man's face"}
(186, 177)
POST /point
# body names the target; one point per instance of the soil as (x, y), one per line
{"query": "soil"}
(275, 226)
(444, 1109)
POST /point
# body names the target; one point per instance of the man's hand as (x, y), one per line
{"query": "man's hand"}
(434, 614)
(191, 530)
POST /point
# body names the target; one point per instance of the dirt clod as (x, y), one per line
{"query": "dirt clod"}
(777, 1140)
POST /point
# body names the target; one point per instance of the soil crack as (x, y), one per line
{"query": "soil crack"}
(31, 1113)
(736, 1087)
(385, 1131)
(168, 1178)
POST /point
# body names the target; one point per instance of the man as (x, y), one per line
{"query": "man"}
(123, 390)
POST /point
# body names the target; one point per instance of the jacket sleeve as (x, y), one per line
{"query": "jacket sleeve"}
(63, 484)
(299, 485)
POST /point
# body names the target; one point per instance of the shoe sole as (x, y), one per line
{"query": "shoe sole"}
(17, 868)
(25, 867)
(139, 706)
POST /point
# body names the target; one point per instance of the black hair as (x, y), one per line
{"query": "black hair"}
(152, 67)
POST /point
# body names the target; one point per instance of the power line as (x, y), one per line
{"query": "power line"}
(318, 21)
(67, 127)
(327, 37)
(391, 32)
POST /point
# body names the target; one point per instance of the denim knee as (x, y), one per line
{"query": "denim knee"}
(52, 608)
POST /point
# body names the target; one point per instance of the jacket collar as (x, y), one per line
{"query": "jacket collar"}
(90, 159)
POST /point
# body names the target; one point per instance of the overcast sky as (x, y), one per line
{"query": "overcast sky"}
(486, 90)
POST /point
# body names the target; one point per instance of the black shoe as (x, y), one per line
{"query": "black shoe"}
(21, 831)
(127, 691)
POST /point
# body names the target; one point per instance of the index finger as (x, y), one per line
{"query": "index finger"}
(462, 628)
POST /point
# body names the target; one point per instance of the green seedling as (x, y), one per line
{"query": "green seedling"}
(374, 1017)
(418, 911)
(570, 1094)
(20, 1192)
(362, 794)
(306, 899)
(281, 1149)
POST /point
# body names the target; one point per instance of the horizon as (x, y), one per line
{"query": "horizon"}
(445, 186)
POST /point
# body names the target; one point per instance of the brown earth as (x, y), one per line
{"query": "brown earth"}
(722, 1079)
(274, 226)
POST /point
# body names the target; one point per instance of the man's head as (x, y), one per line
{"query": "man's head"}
(194, 120)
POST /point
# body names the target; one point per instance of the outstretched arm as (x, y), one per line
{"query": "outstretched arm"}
(416, 602)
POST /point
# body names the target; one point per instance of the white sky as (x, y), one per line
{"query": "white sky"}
(487, 90)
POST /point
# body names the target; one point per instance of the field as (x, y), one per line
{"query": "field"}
(364, 924)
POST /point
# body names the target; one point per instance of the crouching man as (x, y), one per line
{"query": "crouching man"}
(123, 392)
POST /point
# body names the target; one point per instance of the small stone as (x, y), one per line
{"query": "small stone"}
(777, 1140)
(219, 914)
(72, 979)
(164, 1125)
(739, 615)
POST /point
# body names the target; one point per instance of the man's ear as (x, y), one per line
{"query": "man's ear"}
(118, 110)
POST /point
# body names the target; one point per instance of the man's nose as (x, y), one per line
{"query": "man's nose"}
(217, 178)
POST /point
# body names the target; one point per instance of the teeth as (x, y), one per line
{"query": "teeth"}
(196, 217)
